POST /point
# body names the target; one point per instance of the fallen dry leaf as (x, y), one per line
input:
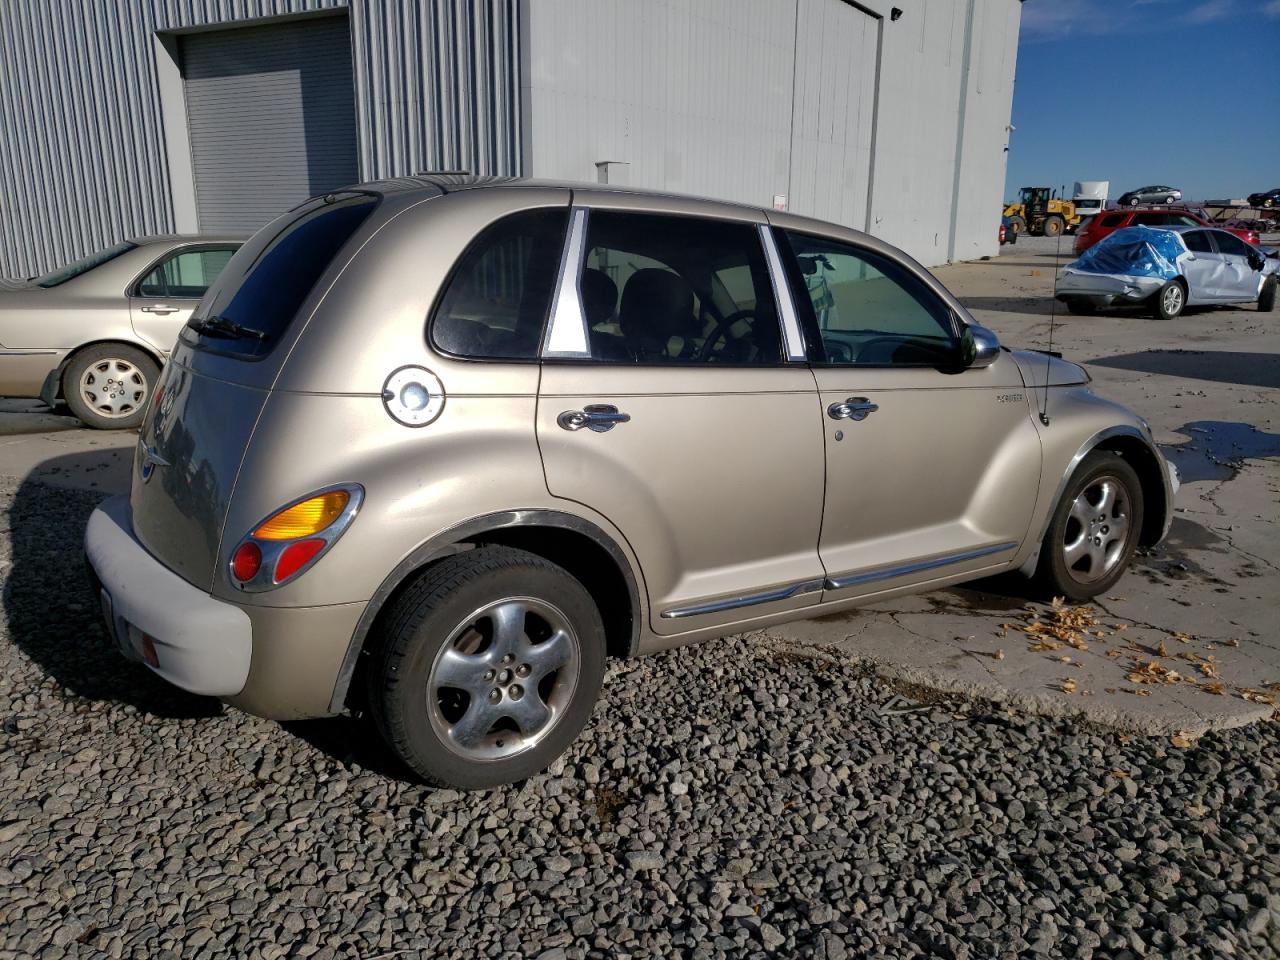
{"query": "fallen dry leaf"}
(1214, 688)
(1162, 649)
(1068, 686)
(1182, 740)
(1120, 774)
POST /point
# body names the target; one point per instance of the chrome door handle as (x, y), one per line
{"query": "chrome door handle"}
(598, 417)
(853, 408)
(160, 308)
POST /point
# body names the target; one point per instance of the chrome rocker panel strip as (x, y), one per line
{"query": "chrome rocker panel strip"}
(853, 579)
(732, 603)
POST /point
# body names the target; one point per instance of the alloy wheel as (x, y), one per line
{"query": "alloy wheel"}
(503, 679)
(1097, 530)
(1172, 299)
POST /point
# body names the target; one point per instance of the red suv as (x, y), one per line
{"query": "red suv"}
(1109, 221)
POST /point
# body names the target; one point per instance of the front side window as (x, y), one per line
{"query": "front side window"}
(660, 289)
(496, 302)
(185, 275)
(1229, 243)
(870, 310)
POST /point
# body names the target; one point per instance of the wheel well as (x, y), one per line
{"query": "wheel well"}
(591, 563)
(70, 358)
(593, 566)
(1150, 474)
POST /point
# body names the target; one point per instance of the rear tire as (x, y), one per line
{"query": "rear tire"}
(470, 686)
(1170, 300)
(1094, 530)
(1168, 200)
(1267, 298)
(1053, 226)
(108, 385)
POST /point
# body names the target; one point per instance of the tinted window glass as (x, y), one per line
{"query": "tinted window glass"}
(871, 311)
(72, 270)
(185, 275)
(1182, 220)
(1197, 241)
(496, 302)
(1152, 219)
(1113, 219)
(255, 300)
(1229, 243)
(660, 289)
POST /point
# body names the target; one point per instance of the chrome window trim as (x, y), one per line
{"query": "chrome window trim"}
(888, 573)
(733, 603)
(782, 297)
(566, 336)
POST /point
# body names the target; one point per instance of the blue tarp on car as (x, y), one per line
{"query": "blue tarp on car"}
(1134, 252)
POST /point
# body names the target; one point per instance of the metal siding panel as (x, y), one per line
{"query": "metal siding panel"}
(271, 114)
(82, 155)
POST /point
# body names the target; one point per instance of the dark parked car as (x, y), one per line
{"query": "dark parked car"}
(1007, 233)
(1266, 199)
(1112, 220)
(1150, 195)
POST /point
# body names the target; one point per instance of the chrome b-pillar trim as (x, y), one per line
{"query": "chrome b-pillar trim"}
(567, 332)
(732, 603)
(888, 573)
(791, 334)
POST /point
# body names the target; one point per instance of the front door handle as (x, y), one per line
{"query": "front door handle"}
(598, 417)
(853, 408)
(161, 308)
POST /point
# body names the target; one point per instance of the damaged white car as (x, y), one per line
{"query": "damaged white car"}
(1167, 270)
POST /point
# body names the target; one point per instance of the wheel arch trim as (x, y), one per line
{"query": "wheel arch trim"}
(452, 541)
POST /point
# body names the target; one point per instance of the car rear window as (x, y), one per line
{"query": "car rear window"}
(257, 296)
(73, 270)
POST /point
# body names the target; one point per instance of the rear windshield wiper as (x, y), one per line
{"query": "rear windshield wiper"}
(220, 326)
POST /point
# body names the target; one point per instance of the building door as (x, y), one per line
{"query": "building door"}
(271, 115)
(833, 111)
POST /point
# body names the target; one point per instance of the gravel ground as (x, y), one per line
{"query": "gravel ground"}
(792, 806)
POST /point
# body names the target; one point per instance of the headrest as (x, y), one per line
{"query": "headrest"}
(656, 305)
(599, 296)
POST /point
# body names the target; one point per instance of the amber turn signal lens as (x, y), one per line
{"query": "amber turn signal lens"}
(306, 518)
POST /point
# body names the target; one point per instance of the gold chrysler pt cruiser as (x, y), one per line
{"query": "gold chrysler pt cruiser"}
(435, 448)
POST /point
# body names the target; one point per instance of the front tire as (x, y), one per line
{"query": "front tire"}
(1018, 224)
(1170, 300)
(108, 385)
(1267, 298)
(1053, 226)
(488, 668)
(1094, 529)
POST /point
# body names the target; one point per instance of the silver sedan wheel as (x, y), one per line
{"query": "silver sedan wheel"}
(1172, 299)
(113, 388)
(503, 679)
(1097, 531)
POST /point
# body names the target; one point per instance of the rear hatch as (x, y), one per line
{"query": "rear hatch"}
(202, 418)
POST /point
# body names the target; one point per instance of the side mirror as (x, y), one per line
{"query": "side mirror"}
(979, 347)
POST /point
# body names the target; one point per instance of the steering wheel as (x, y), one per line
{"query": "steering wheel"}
(722, 328)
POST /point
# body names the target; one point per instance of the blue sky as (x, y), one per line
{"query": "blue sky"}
(1177, 92)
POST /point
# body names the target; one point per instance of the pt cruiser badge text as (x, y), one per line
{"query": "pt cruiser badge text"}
(1008, 397)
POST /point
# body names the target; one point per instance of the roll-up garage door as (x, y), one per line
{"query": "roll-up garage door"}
(271, 115)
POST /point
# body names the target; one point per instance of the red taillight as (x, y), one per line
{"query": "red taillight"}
(247, 562)
(294, 558)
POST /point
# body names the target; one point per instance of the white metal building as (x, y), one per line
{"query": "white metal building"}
(127, 117)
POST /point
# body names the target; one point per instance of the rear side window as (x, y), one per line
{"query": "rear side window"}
(1197, 241)
(659, 289)
(257, 296)
(185, 275)
(495, 304)
(1152, 219)
(1113, 219)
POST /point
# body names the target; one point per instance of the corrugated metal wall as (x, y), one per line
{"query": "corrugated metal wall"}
(82, 153)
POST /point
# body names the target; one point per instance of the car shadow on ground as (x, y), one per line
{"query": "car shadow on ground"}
(52, 615)
(1220, 366)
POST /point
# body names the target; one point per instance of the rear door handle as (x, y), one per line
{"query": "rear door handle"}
(598, 417)
(160, 308)
(852, 408)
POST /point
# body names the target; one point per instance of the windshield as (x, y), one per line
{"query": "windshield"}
(256, 296)
(73, 270)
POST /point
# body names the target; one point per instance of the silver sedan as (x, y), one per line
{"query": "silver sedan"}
(96, 332)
